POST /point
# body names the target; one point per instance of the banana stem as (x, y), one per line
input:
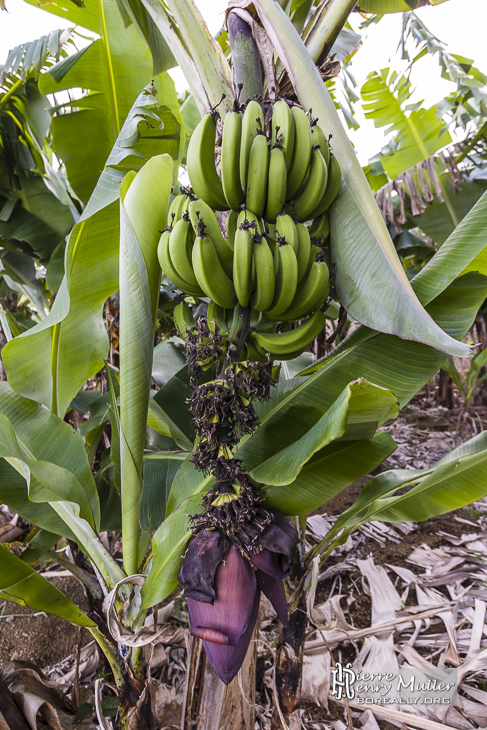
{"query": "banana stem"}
(247, 69)
(243, 331)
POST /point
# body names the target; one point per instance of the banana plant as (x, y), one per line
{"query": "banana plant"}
(317, 433)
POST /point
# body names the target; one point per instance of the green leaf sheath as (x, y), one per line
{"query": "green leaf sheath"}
(143, 214)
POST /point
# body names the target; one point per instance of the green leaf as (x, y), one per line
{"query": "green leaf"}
(84, 137)
(39, 546)
(159, 472)
(378, 295)
(69, 346)
(436, 221)
(167, 361)
(464, 251)
(355, 414)
(456, 480)
(51, 361)
(172, 400)
(19, 580)
(393, 6)
(58, 464)
(169, 545)
(14, 493)
(145, 200)
(419, 133)
(328, 472)
(30, 57)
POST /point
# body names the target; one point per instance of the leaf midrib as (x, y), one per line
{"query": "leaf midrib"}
(111, 79)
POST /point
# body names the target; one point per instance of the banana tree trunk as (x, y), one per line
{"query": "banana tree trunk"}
(208, 703)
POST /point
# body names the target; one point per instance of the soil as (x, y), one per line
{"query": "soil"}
(43, 640)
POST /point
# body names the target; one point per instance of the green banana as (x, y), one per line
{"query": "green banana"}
(332, 188)
(201, 164)
(320, 227)
(313, 190)
(242, 264)
(304, 250)
(266, 325)
(253, 353)
(318, 139)
(264, 274)
(230, 161)
(183, 319)
(311, 295)
(210, 274)
(201, 211)
(216, 315)
(176, 210)
(286, 228)
(283, 128)
(276, 188)
(301, 152)
(181, 242)
(252, 123)
(232, 228)
(169, 270)
(281, 344)
(257, 177)
(286, 279)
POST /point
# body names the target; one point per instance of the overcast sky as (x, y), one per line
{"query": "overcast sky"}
(459, 23)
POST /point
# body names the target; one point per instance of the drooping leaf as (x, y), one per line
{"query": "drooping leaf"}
(394, 6)
(355, 415)
(436, 220)
(19, 580)
(58, 462)
(328, 473)
(456, 480)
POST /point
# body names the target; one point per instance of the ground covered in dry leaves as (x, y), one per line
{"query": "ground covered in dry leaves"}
(402, 594)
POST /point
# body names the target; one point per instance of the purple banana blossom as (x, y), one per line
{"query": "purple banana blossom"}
(223, 590)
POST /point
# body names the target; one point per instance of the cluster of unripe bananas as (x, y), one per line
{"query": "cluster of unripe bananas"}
(277, 182)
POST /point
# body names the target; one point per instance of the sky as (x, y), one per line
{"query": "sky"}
(458, 23)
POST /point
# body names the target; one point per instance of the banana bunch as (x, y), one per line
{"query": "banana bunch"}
(275, 270)
(285, 165)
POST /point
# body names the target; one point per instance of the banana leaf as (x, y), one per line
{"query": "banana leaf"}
(143, 211)
(84, 137)
(51, 362)
(21, 582)
(393, 6)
